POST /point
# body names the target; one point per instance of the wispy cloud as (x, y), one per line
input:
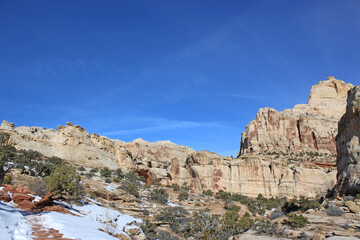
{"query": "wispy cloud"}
(165, 126)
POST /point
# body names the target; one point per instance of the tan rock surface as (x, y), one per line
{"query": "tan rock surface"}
(74, 144)
(310, 127)
(348, 146)
(251, 175)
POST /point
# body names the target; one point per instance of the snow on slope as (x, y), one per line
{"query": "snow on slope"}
(87, 225)
(13, 225)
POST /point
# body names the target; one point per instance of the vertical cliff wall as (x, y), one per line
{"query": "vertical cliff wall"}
(348, 146)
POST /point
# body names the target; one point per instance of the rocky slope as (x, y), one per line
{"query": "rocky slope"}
(348, 146)
(310, 127)
(75, 145)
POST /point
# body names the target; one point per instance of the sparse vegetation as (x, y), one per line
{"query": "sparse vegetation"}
(105, 172)
(208, 192)
(65, 181)
(297, 221)
(38, 187)
(334, 211)
(159, 195)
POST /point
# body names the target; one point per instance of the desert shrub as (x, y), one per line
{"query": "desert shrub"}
(89, 175)
(208, 192)
(334, 211)
(197, 205)
(159, 195)
(304, 235)
(64, 180)
(175, 217)
(146, 212)
(176, 187)
(130, 187)
(116, 179)
(163, 235)
(119, 173)
(357, 196)
(301, 204)
(108, 180)
(276, 214)
(297, 221)
(7, 179)
(265, 226)
(4, 137)
(81, 168)
(185, 187)
(231, 207)
(183, 195)
(204, 225)
(222, 195)
(94, 170)
(105, 172)
(38, 186)
(149, 229)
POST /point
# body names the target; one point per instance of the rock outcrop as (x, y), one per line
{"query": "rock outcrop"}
(348, 146)
(252, 175)
(74, 144)
(310, 127)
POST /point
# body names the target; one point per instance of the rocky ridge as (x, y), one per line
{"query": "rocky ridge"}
(310, 127)
(75, 145)
(348, 146)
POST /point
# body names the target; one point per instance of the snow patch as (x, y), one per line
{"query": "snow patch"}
(13, 225)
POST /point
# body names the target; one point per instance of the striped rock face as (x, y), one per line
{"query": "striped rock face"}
(310, 127)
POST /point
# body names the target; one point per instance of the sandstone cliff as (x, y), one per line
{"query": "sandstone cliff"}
(310, 127)
(252, 174)
(74, 144)
(348, 146)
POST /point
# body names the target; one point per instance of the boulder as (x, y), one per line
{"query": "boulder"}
(4, 196)
(19, 197)
(27, 205)
(352, 207)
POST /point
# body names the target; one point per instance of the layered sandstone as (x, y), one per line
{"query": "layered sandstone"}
(348, 146)
(74, 144)
(310, 127)
(252, 175)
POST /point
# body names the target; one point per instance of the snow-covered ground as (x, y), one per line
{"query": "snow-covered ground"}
(87, 225)
(92, 217)
(13, 225)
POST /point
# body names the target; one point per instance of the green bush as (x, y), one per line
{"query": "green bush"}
(116, 179)
(81, 168)
(130, 187)
(183, 195)
(7, 179)
(297, 221)
(94, 170)
(108, 180)
(176, 187)
(149, 229)
(4, 137)
(64, 180)
(175, 217)
(105, 172)
(159, 195)
(208, 192)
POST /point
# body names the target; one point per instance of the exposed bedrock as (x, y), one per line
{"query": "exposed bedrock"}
(310, 127)
(348, 146)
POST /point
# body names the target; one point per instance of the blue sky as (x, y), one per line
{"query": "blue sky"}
(193, 72)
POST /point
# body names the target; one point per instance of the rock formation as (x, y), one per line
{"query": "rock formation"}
(252, 175)
(74, 144)
(310, 127)
(348, 146)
